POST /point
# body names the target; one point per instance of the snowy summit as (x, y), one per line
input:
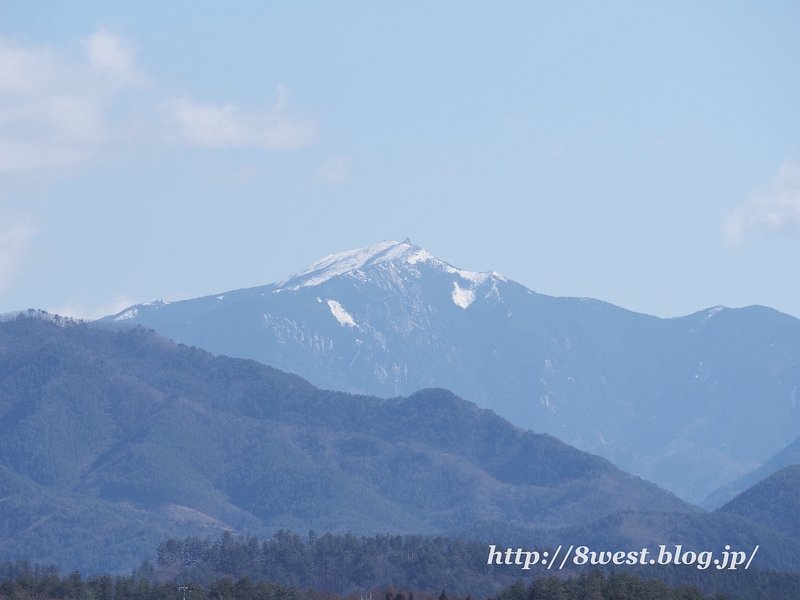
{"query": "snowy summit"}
(397, 254)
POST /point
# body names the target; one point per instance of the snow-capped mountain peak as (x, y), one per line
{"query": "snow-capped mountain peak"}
(387, 251)
(391, 318)
(340, 263)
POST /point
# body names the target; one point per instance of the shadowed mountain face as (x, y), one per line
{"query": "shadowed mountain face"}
(128, 438)
(773, 502)
(691, 403)
(788, 456)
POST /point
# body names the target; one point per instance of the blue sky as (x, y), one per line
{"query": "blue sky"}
(646, 154)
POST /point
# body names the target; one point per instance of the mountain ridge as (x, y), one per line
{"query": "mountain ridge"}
(126, 433)
(773, 502)
(671, 400)
(788, 456)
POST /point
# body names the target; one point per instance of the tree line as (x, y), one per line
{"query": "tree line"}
(337, 563)
(384, 567)
(21, 581)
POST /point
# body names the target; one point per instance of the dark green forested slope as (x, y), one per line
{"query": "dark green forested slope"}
(244, 569)
(773, 502)
(788, 456)
(19, 580)
(341, 563)
(113, 440)
(129, 427)
(74, 529)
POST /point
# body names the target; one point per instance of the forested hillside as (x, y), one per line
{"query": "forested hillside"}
(773, 502)
(113, 441)
(788, 456)
(128, 438)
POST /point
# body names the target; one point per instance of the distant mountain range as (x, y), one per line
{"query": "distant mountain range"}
(113, 440)
(691, 403)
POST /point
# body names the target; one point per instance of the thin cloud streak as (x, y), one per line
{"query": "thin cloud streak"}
(212, 126)
(59, 111)
(773, 210)
(334, 170)
(78, 310)
(45, 119)
(111, 54)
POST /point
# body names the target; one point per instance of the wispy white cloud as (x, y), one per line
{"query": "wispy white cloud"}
(55, 110)
(113, 55)
(59, 111)
(774, 209)
(239, 177)
(334, 170)
(14, 240)
(81, 310)
(214, 126)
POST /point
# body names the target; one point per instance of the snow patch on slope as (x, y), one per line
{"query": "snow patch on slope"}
(472, 276)
(341, 314)
(419, 255)
(128, 314)
(462, 297)
(157, 303)
(711, 313)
